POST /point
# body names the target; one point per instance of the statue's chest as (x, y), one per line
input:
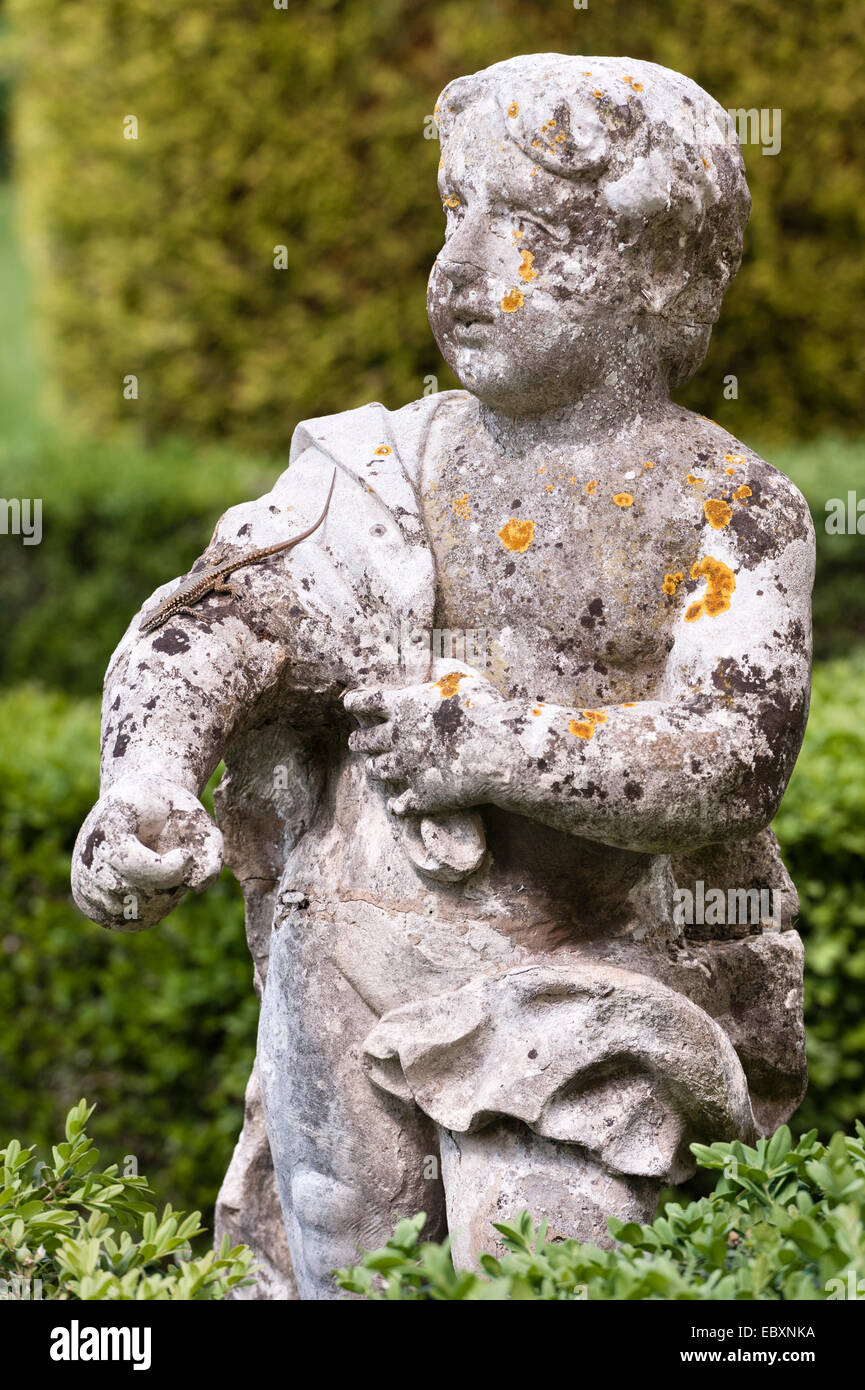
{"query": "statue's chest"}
(565, 589)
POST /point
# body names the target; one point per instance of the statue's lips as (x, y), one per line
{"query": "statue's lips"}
(469, 331)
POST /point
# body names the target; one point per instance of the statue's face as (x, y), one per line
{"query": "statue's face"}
(527, 299)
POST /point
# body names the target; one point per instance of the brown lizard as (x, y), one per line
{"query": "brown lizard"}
(211, 579)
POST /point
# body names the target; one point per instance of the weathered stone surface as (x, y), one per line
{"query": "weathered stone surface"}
(464, 869)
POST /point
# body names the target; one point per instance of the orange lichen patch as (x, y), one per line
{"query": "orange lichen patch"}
(587, 74)
(452, 202)
(720, 583)
(629, 704)
(597, 93)
(461, 506)
(450, 684)
(648, 464)
(536, 169)
(383, 449)
(734, 458)
(691, 479)
(513, 109)
(705, 161)
(729, 472)
(561, 138)
(512, 301)
(543, 468)
(517, 535)
(592, 486)
(742, 492)
(585, 727)
(717, 512)
(516, 235)
(549, 488)
(623, 499)
(672, 582)
(537, 710)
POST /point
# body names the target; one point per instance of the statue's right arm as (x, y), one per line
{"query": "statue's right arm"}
(173, 701)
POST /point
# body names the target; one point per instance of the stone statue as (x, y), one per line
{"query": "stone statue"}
(465, 867)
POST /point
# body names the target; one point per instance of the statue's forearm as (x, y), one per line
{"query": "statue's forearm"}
(652, 777)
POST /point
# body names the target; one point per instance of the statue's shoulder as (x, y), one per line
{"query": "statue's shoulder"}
(352, 437)
(769, 511)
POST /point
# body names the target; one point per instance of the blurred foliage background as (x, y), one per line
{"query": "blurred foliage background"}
(257, 128)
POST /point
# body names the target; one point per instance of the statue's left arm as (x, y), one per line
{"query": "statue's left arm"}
(707, 759)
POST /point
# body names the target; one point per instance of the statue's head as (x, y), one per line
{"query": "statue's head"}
(595, 213)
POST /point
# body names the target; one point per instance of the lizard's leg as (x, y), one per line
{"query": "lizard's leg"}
(222, 586)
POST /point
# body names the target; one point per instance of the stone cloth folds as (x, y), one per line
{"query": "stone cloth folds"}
(589, 1054)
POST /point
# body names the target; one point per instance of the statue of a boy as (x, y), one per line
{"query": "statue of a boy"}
(481, 993)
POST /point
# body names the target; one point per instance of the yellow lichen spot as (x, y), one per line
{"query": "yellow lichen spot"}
(461, 506)
(592, 486)
(672, 582)
(597, 94)
(513, 110)
(720, 583)
(648, 464)
(450, 684)
(585, 727)
(549, 488)
(717, 512)
(516, 235)
(537, 710)
(536, 144)
(628, 79)
(561, 138)
(705, 161)
(543, 468)
(383, 449)
(629, 704)
(623, 499)
(512, 301)
(517, 535)
(525, 272)
(691, 479)
(733, 458)
(742, 492)
(587, 74)
(729, 472)
(536, 169)
(572, 481)
(638, 86)
(452, 202)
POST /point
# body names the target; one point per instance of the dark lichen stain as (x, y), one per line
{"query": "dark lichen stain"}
(728, 676)
(173, 641)
(448, 716)
(91, 844)
(633, 791)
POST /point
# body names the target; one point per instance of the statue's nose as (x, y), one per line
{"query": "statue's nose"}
(460, 273)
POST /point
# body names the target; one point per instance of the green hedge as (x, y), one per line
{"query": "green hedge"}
(157, 1028)
(786, 1222)
(821, 827)
(304, 127)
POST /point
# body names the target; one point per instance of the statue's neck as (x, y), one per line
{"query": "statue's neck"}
(594, 420)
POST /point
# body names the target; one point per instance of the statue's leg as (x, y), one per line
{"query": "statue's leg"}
(248, 1210)
(350, 1160)
(505, 1168)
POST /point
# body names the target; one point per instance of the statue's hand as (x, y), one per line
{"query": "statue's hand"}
(434, 744)
(144, 844)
